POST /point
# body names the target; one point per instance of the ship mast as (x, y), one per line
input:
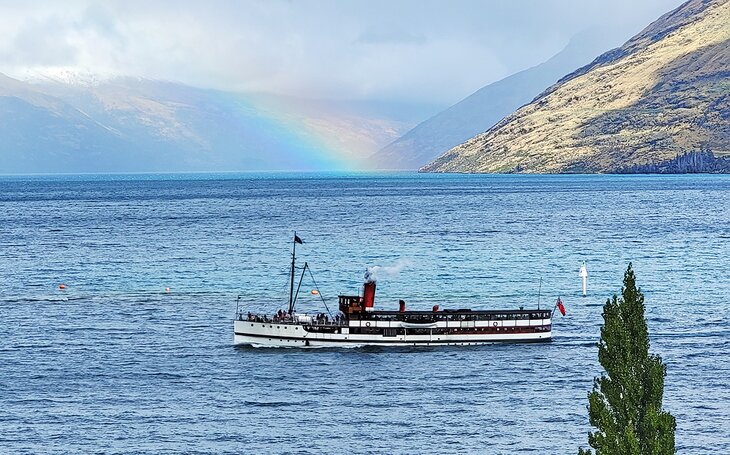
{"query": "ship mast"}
(293, 258)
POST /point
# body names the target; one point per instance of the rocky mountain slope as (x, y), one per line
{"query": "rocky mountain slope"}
(128, 124)
(485, 107)
(663, 93)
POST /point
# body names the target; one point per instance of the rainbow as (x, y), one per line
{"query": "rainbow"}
(295, 134)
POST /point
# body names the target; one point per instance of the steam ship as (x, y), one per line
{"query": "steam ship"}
(358, 323)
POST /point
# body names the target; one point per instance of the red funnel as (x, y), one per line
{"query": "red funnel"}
(368, 295)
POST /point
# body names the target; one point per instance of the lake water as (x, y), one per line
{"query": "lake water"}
(115, 364)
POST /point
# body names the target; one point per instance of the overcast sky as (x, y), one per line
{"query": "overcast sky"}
(412, 50)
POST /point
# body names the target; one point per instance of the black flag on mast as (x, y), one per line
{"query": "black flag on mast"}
(298, 240)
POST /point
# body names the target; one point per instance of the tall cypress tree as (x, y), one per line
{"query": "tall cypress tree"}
(625, 405)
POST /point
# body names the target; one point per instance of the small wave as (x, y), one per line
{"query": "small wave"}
(167, 375)
(38, 299)
(692, 334)
(269, 404)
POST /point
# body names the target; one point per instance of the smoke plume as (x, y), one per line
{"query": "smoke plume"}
(378, 272)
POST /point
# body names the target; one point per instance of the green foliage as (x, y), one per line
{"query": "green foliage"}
(625, 405)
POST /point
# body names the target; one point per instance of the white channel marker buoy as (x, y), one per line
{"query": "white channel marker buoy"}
(584, 276)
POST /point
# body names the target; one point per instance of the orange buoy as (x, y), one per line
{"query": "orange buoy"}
(62, 286)
(315, 292)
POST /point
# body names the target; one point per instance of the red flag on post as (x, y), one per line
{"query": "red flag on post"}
(560, 306)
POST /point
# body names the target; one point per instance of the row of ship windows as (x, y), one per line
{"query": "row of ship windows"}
(278, 326)
(459, 317)
(443, 331)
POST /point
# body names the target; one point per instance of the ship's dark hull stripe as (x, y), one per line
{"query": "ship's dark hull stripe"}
(501, 340)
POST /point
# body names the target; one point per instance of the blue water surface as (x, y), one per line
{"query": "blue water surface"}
(114, 364)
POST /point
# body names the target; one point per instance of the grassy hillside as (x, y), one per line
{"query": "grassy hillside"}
(663, 93)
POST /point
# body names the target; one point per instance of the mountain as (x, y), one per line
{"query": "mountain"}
(131, 124)
(485, 107)
(662, 94)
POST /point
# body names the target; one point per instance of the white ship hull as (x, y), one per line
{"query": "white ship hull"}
(273, 334)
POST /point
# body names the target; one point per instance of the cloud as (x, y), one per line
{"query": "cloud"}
(373, 36)
(45, 42)
(417, 50)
